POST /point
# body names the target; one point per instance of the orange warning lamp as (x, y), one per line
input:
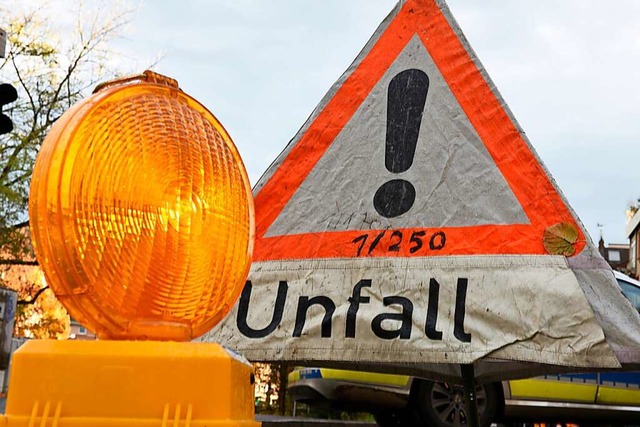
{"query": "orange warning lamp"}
(141, 212)
(142, 220)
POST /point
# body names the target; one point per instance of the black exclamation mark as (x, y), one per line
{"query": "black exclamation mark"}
(407, 95)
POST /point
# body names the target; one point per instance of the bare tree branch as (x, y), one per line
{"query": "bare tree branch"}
(16, 226)
(52, 69)
(34, 298)
(17, 262)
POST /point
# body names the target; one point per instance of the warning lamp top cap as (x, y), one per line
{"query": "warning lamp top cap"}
(141, 212)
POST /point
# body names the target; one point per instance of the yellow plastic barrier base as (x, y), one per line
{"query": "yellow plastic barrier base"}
(128, 384)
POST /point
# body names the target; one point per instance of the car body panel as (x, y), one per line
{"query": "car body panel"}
(350, 376)
(349, 389)
(359, 376)
(574, 411)
(571, 388)
(630, 288)
(619, 388)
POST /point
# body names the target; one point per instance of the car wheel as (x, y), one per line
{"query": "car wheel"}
(442, 404)
(395, 418)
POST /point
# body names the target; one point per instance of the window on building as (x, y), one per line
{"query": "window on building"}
(82, 331)
(614, 255)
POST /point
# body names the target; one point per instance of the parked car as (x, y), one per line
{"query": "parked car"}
(397, 400)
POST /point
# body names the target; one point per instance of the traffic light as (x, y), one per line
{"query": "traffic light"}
(8, 94)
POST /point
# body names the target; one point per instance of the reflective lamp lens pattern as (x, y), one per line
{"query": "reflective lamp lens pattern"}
(142, 215)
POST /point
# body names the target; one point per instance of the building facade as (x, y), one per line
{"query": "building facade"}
(616, 254)
(633, 229)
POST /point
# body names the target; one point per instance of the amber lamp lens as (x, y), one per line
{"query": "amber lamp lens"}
(141, 214)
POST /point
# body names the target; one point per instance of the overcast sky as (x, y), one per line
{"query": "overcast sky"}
(568, 70)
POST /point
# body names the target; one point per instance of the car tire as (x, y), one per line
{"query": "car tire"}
(395, 418)
(442, 404)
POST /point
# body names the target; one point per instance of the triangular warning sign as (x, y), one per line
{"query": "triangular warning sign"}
(412, 153)
(409, 226)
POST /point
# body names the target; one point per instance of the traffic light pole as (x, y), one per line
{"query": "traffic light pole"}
(3, 42)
